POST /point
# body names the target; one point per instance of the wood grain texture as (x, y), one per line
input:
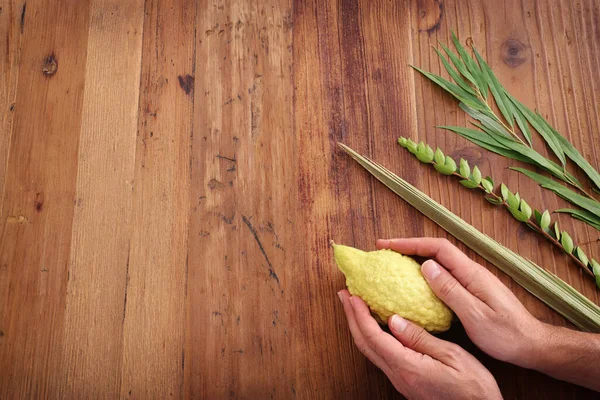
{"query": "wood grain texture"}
(37, 210)
(93, 342)
(12, 19)
(170, 181)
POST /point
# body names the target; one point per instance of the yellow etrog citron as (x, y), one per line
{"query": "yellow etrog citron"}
(391, 283)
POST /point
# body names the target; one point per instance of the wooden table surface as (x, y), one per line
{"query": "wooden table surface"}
(170, 181)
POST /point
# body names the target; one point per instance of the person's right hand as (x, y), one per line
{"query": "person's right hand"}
(492, 316)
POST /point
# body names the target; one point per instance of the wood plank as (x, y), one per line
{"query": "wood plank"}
(12, 23)
(346, 75)
(154, 336)
(242, 227)
(38, 197)
(92, 345)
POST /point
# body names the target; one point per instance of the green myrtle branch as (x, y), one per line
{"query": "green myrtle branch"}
(541, 222)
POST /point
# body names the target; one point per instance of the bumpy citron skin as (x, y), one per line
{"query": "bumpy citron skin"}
(391, 283)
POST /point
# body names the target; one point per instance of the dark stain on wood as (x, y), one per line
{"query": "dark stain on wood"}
(513, 53)
(430, 15)
(50, 65)
(186, 83)
(38, 204)
(272, 273)
(22, 21)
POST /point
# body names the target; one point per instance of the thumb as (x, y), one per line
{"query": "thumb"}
(418, 339)
(448, 289)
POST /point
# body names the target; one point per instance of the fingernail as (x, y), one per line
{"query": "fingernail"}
(352, 301)
(430, 269)
(399, 324)
(341, 297)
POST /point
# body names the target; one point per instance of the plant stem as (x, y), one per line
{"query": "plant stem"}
(533, 225)
(508, 129)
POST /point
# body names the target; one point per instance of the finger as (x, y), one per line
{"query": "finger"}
(359, 340)
(388, 348)
(474, 277)
(450, 291)
(418, 339)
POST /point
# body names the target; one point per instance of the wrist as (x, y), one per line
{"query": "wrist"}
(538, 350)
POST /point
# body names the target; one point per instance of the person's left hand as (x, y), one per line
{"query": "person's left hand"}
(419, 365)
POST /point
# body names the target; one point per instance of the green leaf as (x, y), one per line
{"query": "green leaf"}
(444, 169)
(521, 122)
(592, 206)
(541, 126)
(575, 155)
(556, 231)
(546, 286)
(519, 216)
(471, 66)
(476, 175)
(450, 163)
(402, 141)
(545, 220)
(464, 169)
(487, 119)
(566, 242)
(411, 146)
(424, 153)
(596, 271)
(533, 155)
(429, 151)
(525, 209)
(439, 156)
(482, 140)
(581, 255)
(468, 184)
(488, 185)
(504, 191)
(453, 89)
(455, 76)
(512, 201)
(538, 217)
(582, 215)
(496, 89)
(493, 200)
(460, 65)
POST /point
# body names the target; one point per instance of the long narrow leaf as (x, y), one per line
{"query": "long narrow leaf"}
(460, 65)
(592, 206)
(455, 75)
(533, 155)
(485, 119)
(582, 215)
(471, 66)
(454, 90)
(538, 124)
(574, 155)
(496, 89)
(521, 122)
(550, 289)
(481, 139)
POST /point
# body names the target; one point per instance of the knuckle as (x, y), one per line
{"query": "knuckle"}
(361, 345)
(454, 352)
(447, 287)
(416, 337)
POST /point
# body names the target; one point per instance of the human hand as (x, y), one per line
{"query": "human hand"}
(419, 365)
(491, 314)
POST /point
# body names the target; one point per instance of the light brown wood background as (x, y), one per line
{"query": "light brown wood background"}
(170, 181)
